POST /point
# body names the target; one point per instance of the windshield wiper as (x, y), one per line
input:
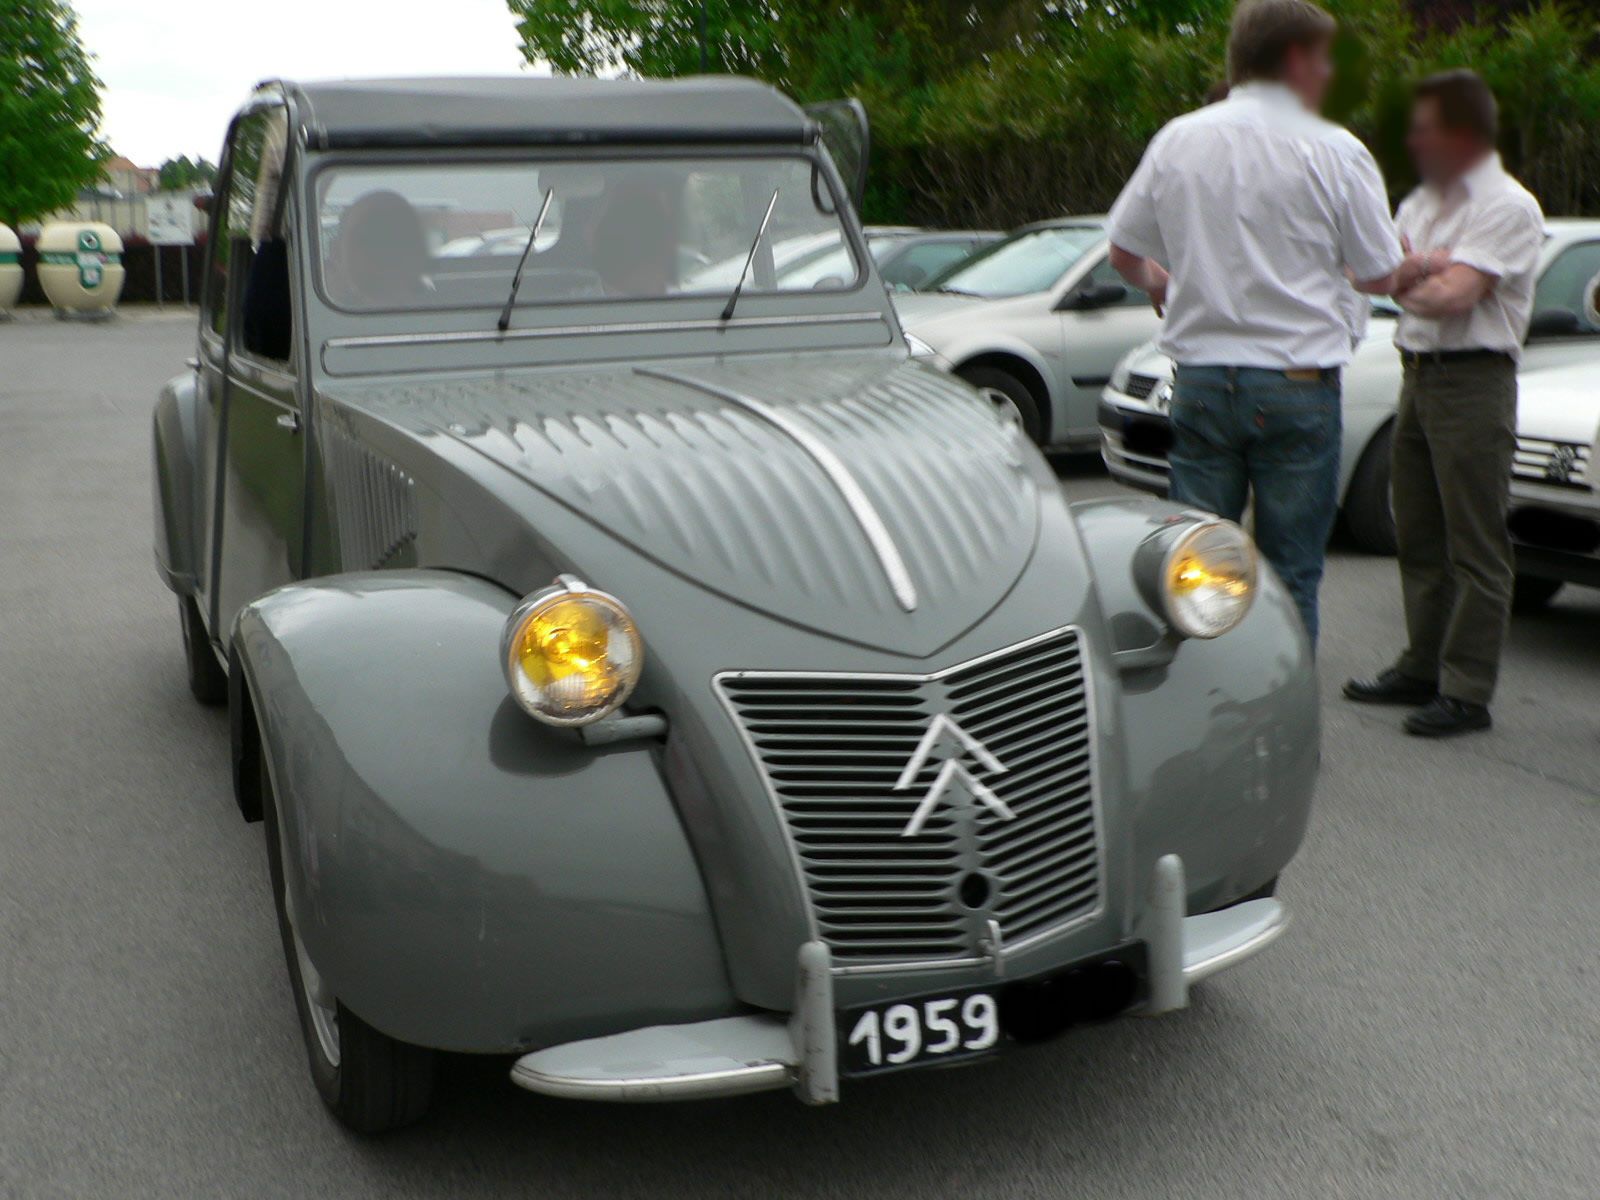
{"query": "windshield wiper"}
(516, 280)
(749, 259)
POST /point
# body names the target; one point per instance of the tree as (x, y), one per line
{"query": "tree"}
(49, 110)
(182, 173)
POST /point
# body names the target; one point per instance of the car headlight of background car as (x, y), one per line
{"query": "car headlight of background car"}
(571, 655)
(1200, 574)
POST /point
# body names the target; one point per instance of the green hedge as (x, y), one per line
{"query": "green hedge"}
(1032, 134)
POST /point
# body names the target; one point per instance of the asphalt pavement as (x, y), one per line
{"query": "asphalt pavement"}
(1430, 1026)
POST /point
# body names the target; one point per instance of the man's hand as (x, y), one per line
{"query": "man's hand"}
(1450, 291)
(1413, 270)
(1149, 276)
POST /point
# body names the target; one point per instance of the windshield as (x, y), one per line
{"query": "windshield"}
(1030, 261)
(448, 235)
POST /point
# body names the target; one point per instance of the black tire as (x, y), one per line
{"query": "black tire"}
(378, 1083)
(1368, 507)
(1029, 410)
(208, 682)
(1531, 594)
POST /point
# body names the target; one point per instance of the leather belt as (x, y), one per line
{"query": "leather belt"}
(1438, 358)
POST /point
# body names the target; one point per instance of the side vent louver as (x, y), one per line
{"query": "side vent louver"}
(374, 503)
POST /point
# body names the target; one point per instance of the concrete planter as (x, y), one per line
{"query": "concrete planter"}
(10, 269)
(80, 266)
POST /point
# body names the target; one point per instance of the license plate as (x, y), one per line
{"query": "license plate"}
(912, 1033)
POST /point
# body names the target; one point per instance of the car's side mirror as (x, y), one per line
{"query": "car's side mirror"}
(202, 201)
(1095, 295)
(1554, 322)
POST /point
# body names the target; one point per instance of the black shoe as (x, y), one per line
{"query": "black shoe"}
(1446, 717)
(1390, 687)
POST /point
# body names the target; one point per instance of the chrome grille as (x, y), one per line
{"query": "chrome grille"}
(1140, 386)
(832, 747)
(1552, 463)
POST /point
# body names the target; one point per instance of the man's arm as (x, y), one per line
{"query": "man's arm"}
(1452, 292)
(1134, 229)
(1371, 246)
(1503, 241)
(1143, 273)
(1413, 270)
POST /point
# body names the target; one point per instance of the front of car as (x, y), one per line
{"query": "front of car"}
(1555, 480)
(818, 735)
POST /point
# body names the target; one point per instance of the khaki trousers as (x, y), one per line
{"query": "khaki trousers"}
(1454, 440)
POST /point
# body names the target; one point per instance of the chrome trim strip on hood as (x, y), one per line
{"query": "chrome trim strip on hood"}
(710, 325)
(861, 507)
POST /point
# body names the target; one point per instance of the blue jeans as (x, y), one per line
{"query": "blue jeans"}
(1243, 430)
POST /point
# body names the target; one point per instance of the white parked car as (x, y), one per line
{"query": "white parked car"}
(1135, 435)
(1040, 318)
(1555, 479)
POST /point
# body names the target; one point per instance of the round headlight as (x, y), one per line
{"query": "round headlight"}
(1208, 579)
(571, 655)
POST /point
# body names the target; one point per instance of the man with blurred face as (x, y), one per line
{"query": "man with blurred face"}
(1243, 221)
(1460, 338)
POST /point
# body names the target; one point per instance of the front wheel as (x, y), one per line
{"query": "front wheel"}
(1368, 508)
(370, 1081)
(1006, 390)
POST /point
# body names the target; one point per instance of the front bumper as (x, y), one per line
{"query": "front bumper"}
(737, 1055)
(1556, 532)
(1134, 439)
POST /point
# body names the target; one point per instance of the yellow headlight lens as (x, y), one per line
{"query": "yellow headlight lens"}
(1209, 579)
(571, 655)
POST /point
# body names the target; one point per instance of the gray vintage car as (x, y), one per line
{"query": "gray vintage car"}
(675, 687)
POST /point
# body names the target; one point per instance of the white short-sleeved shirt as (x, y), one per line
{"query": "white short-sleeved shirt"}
(1489, 221)
(1256, 206)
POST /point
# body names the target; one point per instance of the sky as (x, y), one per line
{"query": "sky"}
(176, 70)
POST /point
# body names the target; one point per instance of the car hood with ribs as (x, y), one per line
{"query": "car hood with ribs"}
(863, 497)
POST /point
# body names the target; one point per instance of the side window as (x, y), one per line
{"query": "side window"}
(1105, 273)
(1561, 287)
(250, 249)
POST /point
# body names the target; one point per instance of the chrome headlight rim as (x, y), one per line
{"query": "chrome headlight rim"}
(567, 588)
(1180, 542)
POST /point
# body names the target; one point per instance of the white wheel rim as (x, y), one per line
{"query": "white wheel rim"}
(1004, 405)
(320, 1003)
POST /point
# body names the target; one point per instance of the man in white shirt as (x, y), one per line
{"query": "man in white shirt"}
(1247, 220)
(1460, 339)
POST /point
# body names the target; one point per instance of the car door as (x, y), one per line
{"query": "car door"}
(1101, 320)
(261, 467)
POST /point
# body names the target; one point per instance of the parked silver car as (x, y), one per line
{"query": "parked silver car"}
(678, 688)
(1040, 318)
(1136, 436)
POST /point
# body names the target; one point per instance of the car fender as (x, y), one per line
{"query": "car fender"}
(176, 482)
(1223, 734)
(462, 876)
